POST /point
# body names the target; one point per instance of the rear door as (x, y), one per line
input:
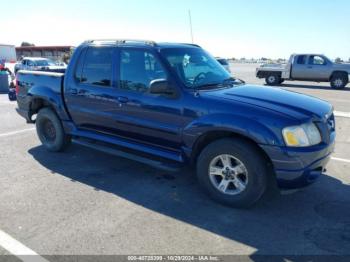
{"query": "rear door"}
(91, 96)
(300, 67)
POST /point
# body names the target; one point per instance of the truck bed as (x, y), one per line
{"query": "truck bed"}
(47, 84)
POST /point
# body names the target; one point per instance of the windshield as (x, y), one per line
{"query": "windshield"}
(195, 67)
(44, 62)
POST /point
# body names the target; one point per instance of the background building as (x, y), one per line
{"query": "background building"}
(52, 52)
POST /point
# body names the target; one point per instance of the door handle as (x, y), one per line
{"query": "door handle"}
(310, 67)
(73, 91)
(122, 99)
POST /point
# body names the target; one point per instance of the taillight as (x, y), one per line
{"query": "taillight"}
(17, 86)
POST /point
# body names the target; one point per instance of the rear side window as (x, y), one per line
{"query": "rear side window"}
(97, 69)
(79, 66)
(301, 60)
(223, 62)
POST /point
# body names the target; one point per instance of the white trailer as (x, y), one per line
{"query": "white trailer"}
(7, 53)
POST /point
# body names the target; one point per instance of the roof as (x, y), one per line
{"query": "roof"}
(63, 47)
(310, 54)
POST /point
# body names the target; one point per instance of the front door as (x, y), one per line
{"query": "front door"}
(149, 118)
(318, 68)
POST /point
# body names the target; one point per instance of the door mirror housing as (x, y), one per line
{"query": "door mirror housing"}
(162, 87)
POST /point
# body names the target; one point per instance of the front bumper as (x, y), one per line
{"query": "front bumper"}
(299, 167)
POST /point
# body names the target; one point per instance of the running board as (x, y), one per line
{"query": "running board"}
(120, 142)
(112, 151)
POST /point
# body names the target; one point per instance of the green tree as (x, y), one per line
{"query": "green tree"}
(339, 60)
(27, 44)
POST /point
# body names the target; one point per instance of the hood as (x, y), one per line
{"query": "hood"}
(57, 69)
(54, 67)
(292, 104)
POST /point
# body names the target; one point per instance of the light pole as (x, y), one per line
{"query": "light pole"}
(191, 30)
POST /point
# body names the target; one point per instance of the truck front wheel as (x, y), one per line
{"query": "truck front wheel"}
(273, 79)
(339, 80)
(233, 172)
(50, 131)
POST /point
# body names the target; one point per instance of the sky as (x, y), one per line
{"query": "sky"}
(227, 28)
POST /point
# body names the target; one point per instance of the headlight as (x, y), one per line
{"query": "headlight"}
(302, 136)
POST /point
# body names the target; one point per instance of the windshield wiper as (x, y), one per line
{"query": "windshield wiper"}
(232, 80)
(208, 85)
(228, 82)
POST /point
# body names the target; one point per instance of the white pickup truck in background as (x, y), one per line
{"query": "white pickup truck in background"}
(306, 67)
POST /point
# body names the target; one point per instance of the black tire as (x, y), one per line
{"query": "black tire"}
(50, 131)
(253, 161)
(273, 79)
(339, 80)
(281, 81)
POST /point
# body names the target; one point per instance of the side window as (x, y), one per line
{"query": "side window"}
(316, 60)
(24, 62)
(137, 69)
(97, 69)
(301, 60)
(79, 66)
(30, 63)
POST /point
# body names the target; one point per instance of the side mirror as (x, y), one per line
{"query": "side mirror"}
(161, 87)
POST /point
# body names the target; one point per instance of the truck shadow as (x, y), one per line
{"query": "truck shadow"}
(313, 221)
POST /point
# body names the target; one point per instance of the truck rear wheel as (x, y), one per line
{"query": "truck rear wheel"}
(273, 79)
(50, 131)
(339, 80)
(233, 172)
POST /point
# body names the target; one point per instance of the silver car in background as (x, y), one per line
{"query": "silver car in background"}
(40, 64)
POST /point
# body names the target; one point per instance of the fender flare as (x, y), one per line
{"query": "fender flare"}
(53, 99)
(235, 124)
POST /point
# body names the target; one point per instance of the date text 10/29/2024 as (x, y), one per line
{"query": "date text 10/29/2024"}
(173, 258)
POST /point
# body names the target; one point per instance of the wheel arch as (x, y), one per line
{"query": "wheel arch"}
(211, 136)
(41, 97)
(264, 74)
(339, 72)
(38, 103)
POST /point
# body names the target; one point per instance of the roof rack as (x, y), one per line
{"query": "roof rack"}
(122, 41)
(191, 44)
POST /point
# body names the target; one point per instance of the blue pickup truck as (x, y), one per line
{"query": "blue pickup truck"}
(173, 105)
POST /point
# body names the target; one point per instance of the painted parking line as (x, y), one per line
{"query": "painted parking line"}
(342, 114)
(16, 132)
(340, 159)
(18, 249)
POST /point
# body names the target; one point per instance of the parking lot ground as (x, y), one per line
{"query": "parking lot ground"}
(87, 202)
